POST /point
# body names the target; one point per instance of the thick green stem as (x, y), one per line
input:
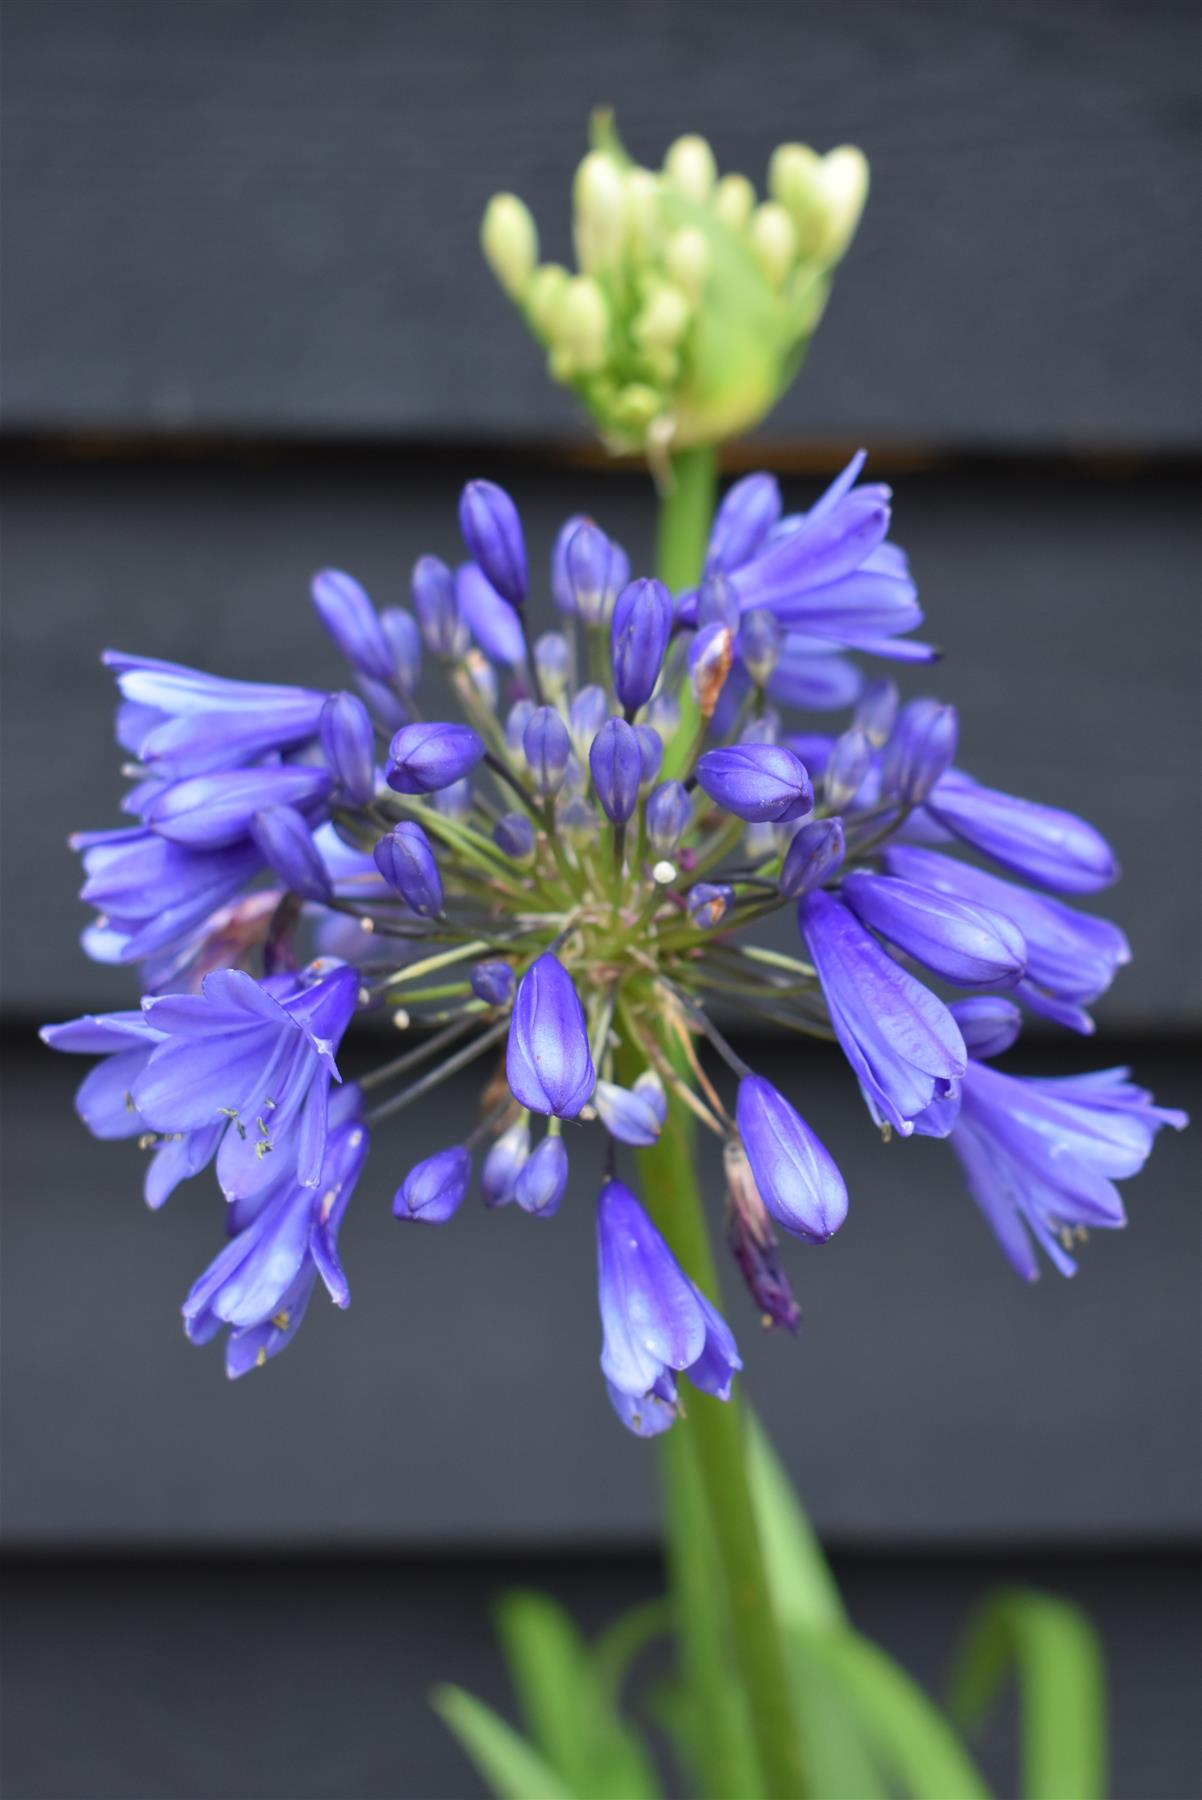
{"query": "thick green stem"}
(686, 507)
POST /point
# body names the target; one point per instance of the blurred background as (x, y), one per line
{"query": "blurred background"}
(247, 332)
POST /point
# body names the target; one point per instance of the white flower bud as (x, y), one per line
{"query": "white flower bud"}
(773, 240)
(687, 260)
(581, 323)
(599, 197)
(844, 189)
(689, 166)
(734, 198)
(642, 209)
(663, 320)
(544, 296)
(509, 240)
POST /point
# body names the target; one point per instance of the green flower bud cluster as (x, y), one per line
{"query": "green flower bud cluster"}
(692, 301)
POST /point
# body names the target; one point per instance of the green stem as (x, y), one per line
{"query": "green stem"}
(686, 507)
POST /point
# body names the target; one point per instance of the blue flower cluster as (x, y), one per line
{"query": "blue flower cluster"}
(564, 877)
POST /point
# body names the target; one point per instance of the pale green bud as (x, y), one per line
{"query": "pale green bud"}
(600, 223)
(844, 189)
(772, 237)
(663, 320)
(510, 242)
(581, 324)
(734, 199)
(687, 259)
(635, 407)
(544, 295)
(642, 209)
(793, 179)
(690, 166)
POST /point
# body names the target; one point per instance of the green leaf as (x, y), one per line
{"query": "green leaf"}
(838, 1753)
(909, 1737)
(512, 1767)
(803, 1588)
(1055, 1653)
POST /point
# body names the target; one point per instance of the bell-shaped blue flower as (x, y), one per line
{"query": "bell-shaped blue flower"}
(547, 747)
(424, 758)
(815, 852)
(642, 625)
(548, 1062)
(615, 762)
(757, 782)
(433, 1190)
(1052, 848)
(351, 620)
(655, 1322)
(287, 845)
(902, 1043)
(348, 741)
(406, 861)
(796, 1175)
(179, 721)
(543, 1179)
(492, 532)
(210, 812)
(158, 899)
(969, 945)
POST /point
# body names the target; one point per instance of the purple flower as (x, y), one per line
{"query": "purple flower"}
(919, 751)
(287, 846)
(651, 753)
(877, 709)
(711, 655)
(586, 715)
(849, 762)
(669, 810)
(433, 1191)
(902, 1043)
(432, 587)
(757, 782)
(542, 1179)
(548, 1062)
(407, 863)
(1053, 848)
(157, 898)
(795, 1174)
(180, 721)
(261, 1283)
(642, 624)
(494, 624)
(350, 618)
(988, 1024)
(752, 1243)
(212, 812)
(616, 764)
(810, 674)
(493, 982)
(1041, 1156)
(759, 645)
(631, 1116)
(748, 512)
(424, 758)
(815, 852)
(514, 834)
(709, 902)
(588, 571)
(349, 745)
(969, 945)
(547, 747)
(655, 1322)
(492, 532)
(1071, 957)
(237, 1053)
(504, 1163)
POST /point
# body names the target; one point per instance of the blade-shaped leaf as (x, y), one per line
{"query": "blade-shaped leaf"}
(803, 1588)
(1054, 1651)
(511, 1766)
(838, 1750)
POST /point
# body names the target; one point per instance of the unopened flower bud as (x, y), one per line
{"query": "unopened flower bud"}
(509, 240)
(543, 1180)
(876, 710)
(814, 854)
(757, 782)
(588, 571)
(579, 822)
(553, 660)
(849, 762)
(580, 326)
(687, 260)
(492, 532)
(405, 641)
(284, 838)
(718, 603)
(434, 602)
(920, 749)
(663, 714)
(495, 625)
(642, 625)
(548, 1063)
(642, 207)
(426, 757)
(689, 165)
(669, 810)
(772, 239)
(514, 834)
(348, 741)
(586, 715)
(629, 1116)
(350, 618)
(650, 1088)
(711, 654)
(651, 750)
(844, 189)
(616, 763)
(406, 861)
(505, 1162)
(794, 1173)
(663, 320)
(434, 1190)
(793, 180)
(760, 639)
(734, 201)
(544, 298)
(598, 194)
(753, 1243)
(493, 982)
(988, 1024)
(455, 801)
(709, 902)
(546, 746)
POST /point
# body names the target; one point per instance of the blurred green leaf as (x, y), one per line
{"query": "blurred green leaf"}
(626, 1637)
(838, 1751)
(1054, 1651)
(803, 1588)
(512, 1767)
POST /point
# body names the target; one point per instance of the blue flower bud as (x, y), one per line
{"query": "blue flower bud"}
(760, 640)
(405, 642)
(575, 779)
(988, 1024)
(540, 1185)
(626, 1114)
(642, 625)
(616, 763)
(548, 1062)
(1054, 848)
(651, 753)
(350, 618)
(744, 519)
(494, 624)
(483, 678)
(504, 1163)
(586, 715)
(969, 945)
(847, 765)
(920, 749)
(287, 846)
(493, 982)
(796, 1176)
(437, 609)
(764, 730)
(711, 654)
(814, 854)
(492, 532)
(663, 714)
(876, 710)
(709, 902)
(426, 757)
(546, 747)
(669, 810)
(579, 822)
(516, 721)
(349, 744)
(388, 711)
(514, 834)
(433, 1190)
(553, 660)
(588, 570)
(650, 1088)
(406, 861)
(757, 782)
(718, 603)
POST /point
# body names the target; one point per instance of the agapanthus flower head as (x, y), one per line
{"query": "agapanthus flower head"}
(554, 876)
(693, 301)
